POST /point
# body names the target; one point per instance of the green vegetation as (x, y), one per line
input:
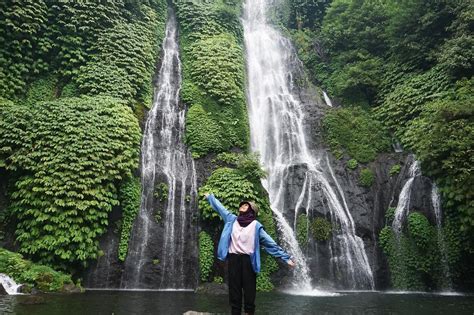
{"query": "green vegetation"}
(206, 255)
(355, 131)
(240, 180)
(395, 170)
(366, 177)
(130, 197)
(105, 48)
(31, 275)
(302, 226)
(123, 62)
(352, 164)
(213, 75)
(161, 192)
(446, 154)
(67, 158)
(390, 215)
(218, 279)
(268, 266)
(321, 229)
(414, 257)
(409, 64)
(230, 187)
(67, 154)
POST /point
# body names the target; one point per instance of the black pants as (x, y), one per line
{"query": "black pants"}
(241, 277)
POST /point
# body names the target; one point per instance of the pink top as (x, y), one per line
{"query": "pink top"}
(242, 240)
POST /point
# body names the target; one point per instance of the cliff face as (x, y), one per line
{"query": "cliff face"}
(367, 206)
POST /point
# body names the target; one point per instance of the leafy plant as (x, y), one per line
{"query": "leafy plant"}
(352, 164)
(206, 255)
(366, 177)
(213, 76)
(23, 271)
(130, 197)
(69, 155)
(390, 215)
(302, 226)
(161, 191)
(218, 279)
(394, 170)
(355, 131)
(321, 229)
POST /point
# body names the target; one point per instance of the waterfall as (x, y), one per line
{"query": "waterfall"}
(403, 205)
(163, 240)
(10, 286)
(436, 203)
(277, 134)
(327, 100)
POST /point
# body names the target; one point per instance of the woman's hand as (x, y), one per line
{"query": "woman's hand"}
(206, 195)
(291, 263)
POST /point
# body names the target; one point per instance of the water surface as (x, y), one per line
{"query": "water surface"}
(146, 302)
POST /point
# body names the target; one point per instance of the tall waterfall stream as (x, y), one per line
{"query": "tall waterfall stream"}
(276, 128)
(166, 163)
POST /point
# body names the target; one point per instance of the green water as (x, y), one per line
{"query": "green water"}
(129, 302)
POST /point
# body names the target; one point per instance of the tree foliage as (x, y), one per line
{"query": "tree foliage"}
(356, 132)
(213, 75)
(31, 275)
(129, 196)
(412, 62)
(68, 156)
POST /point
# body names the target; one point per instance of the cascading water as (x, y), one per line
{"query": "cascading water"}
(276, 128)
(166, 163)
(327, 100)
(436, 203)
(403, 205)
(10, 286)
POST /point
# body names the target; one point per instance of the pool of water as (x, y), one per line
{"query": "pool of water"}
(148, 302)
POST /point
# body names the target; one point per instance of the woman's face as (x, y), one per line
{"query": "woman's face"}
(244, 207)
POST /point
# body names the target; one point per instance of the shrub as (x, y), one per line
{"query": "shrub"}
(302, 230)
(390, 215)
(213, 76)
(366, 177)
(356, 132)
(321, 229)
(395, 170)
(41, 277)
(352, 164)
(130, 197)
(68, 155)
(206, 255)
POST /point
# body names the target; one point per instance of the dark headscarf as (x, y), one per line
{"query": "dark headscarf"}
(245, 218)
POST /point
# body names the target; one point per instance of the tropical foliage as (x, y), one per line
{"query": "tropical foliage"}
(213, 75)
(70, 158)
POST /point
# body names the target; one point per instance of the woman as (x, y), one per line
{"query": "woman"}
(240, 242)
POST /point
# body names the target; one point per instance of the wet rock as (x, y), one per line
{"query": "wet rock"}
(213, 288)
(2, 290)
(71, 288)
(27, 289)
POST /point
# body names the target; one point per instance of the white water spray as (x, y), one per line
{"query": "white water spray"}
(436, 203)
(276, 128)
(327, 100)
(403, 205)
(10, 286)
(165, 161)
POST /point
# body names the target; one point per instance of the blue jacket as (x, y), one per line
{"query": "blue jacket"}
(261, 237)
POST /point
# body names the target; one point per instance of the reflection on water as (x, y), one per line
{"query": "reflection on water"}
(133, 302)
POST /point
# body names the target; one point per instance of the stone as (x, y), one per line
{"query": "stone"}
(2, 290)
(213, 288)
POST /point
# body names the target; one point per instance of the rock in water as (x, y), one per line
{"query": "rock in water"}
(2, 290)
